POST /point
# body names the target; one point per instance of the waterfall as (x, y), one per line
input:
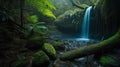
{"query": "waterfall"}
(85, 25)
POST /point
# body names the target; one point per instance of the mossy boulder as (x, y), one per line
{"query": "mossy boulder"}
(50, 50)
(71, 21)
(40, 59)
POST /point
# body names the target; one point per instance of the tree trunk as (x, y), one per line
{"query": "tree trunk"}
(21, 11)
(103, 46)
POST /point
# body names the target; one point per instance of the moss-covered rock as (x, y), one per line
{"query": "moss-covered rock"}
(40, 59)
(71, 21)
(50, 50)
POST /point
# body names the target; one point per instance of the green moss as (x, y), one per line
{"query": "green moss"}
(40, 58)
(106, 60)
(84, 5)
(50, 50)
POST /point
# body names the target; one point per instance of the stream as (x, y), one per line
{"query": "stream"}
(71, 44)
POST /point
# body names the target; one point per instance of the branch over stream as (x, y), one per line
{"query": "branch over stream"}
(103, 46)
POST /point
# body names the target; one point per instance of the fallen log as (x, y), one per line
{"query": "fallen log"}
(103, 46)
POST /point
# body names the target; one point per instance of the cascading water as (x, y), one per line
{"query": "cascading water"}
(84, 40)
(86, 22)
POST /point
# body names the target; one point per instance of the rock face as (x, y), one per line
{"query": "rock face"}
(104, 19)
(70, 21)
(106, 14)
(40, 59)
(64, 5)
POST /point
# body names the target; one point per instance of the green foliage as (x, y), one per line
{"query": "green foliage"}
(44, 6)
(36, 36)
(106, 60)
(40, 27)
(50, 50)
(40, 58)
(32, 19)
(39, 30)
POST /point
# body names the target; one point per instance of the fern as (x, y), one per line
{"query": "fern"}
(32, 19)
(44, 6)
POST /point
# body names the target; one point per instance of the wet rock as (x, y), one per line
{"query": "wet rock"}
(73, 44)
(59, 63)
(50, 50)
(40, 59)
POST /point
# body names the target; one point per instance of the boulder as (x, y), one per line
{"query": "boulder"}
(71, 21)
(40, 59)
(50, 50)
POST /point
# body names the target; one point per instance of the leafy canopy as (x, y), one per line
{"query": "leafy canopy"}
(44, 6)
